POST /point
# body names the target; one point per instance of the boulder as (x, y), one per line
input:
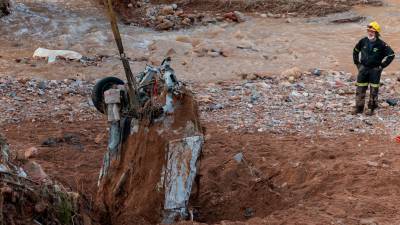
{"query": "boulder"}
(294, 72)
(165, 25)
(27, 153)
(35, 171)
(4, 7)
(167, 10)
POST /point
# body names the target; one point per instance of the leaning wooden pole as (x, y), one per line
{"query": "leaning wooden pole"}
(132, 86)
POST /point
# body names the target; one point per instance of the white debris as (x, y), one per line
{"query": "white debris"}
(52, 55)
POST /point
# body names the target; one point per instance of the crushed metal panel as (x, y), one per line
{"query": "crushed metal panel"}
(181, 170)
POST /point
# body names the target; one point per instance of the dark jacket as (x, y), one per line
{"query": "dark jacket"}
(373, 53)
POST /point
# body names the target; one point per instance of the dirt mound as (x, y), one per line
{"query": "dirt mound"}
(133, 190)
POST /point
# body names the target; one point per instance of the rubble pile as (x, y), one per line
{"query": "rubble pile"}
(166, 17)
(35, 100)
(163, 16)
(171, 16)
(311, 103)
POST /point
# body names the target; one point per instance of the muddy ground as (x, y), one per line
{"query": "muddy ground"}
(301, 180)
(310, 161)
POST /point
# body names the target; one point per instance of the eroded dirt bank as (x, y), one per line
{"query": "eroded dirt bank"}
(132, 192)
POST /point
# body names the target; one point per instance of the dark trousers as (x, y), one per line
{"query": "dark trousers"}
(368, 77)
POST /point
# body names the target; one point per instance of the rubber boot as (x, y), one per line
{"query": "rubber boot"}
(373, 100)
(360, 100)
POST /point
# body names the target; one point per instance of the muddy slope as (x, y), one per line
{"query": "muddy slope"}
(132, 193)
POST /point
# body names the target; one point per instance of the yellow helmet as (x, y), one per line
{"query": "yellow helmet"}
(375, 26)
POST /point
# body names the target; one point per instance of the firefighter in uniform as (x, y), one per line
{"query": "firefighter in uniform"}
(371, 55)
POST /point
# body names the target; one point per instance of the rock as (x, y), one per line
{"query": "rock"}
(35, 171)
(385, 105)
(40, 207)
(392, 102)
(30, 152)
(167, 10)
(373, 164)
(240, 18)
(332, 210)
(4, 8)
(352, 19)
(322, 3)
(238, 157)
(339, 83)
(319, 105)
(368, 221)
(166, 25)
(99, 138)
(271, 15)
(213, 53)
(205, 98)
(130, 5)
(316, 72)
(255, 96)
(51, 142)
(230, 16)
(160, 19)
(213, 107)
(42, 85)
(187, 22)
(248, 212)
(294, 72)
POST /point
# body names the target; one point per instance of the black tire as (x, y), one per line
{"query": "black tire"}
(99, 89)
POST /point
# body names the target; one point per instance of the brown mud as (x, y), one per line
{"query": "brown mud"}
(306, 180)
(133, 189)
